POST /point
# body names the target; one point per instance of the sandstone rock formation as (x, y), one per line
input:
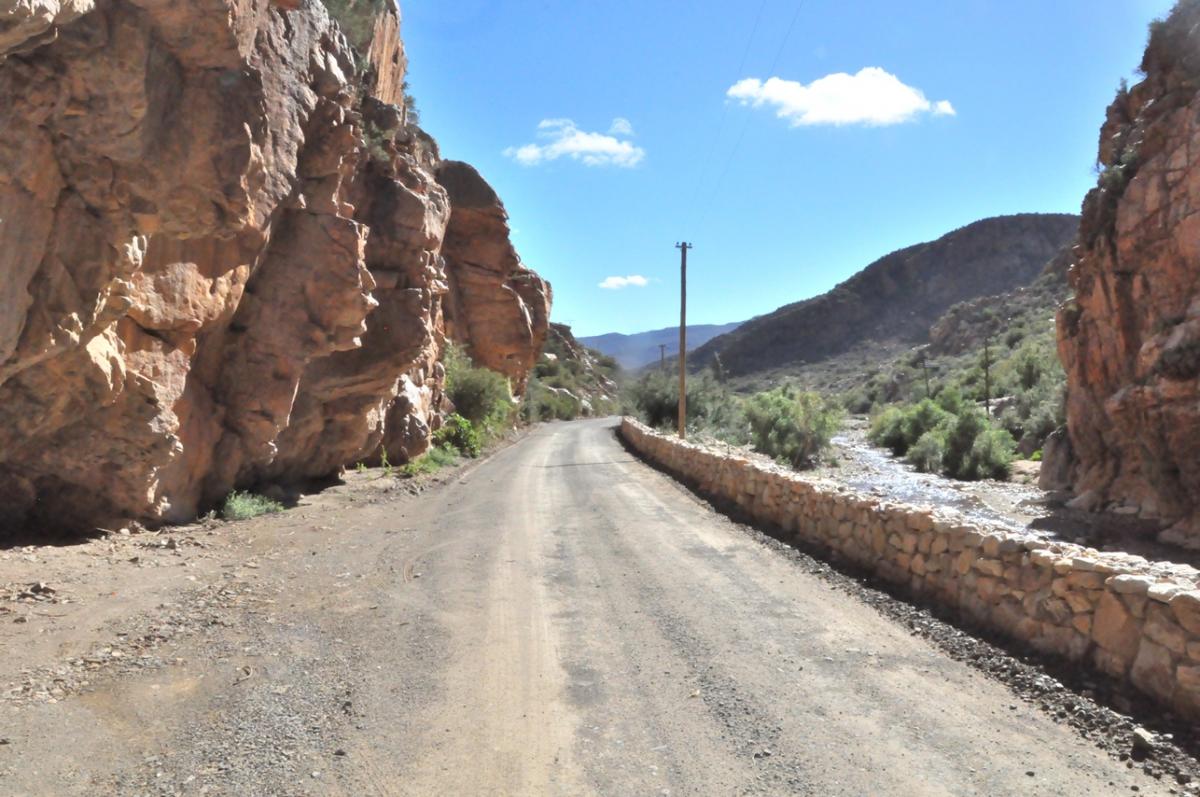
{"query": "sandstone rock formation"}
(221, 254)
(1130, 340)
(496, 305)
(27, 24)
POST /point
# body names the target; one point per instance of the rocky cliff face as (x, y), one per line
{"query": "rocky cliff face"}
(224, 254)
(496, 305)
(1130, 340)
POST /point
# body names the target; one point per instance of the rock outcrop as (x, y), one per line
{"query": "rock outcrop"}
(28, 24)
(573, 380)
(499, 308)
(1130, 339)
(224, 254)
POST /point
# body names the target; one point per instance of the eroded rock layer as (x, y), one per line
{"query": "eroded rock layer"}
(1130, 340)
(496, 305)
(221, 254)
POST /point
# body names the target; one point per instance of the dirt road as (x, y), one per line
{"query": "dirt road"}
(560, 620)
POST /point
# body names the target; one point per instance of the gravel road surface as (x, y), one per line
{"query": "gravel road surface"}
(559, 619)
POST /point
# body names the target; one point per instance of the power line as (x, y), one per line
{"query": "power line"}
(746, 122)
(725, 108)
(786, 36)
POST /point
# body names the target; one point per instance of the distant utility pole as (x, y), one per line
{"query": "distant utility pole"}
(683, 250)
(925, 368)
(662, 355)
(987, 376)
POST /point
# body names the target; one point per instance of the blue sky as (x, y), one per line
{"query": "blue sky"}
(614, 129)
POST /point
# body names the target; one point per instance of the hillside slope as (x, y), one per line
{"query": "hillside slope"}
(896, 299)
(572, 380)
(641, 348)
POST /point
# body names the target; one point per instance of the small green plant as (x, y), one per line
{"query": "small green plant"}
(898, 429)
(384, 462)
(361, 467)
(434, 460)
(460, 434)
(412, 115)
(357, 19)
(243, 506)
(375, 141)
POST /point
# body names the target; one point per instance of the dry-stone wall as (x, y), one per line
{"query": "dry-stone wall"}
(1122, 614)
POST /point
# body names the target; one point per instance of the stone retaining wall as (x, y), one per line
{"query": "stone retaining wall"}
(1121, 614)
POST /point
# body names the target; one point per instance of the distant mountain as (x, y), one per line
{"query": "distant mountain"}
(896, 299)
(641, 348)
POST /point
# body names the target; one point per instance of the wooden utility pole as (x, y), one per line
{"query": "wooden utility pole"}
(683, 250)
(925, 368)
(987, 376)
(662, 355)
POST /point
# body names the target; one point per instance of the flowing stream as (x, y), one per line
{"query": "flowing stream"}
(866, 468)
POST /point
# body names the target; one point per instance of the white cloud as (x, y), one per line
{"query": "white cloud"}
(621, 127)
(872, 97)
(944, 108)
(563, 138)
(616, 283)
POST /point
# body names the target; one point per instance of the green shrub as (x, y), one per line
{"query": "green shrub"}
(480, 395)
(656, 397)
(459, 434)
(899, 429)
(558, 407)
(927, 453)
(992, 455)
(964, 445)
(547, 368)
(711, 408)
(922, 417)
(557, 399)
(792, 427)
(887, 431)
(951, 400)
(975, 449)
(243, 506)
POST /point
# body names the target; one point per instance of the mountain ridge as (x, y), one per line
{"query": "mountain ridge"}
(639, 349)
(898, 297)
